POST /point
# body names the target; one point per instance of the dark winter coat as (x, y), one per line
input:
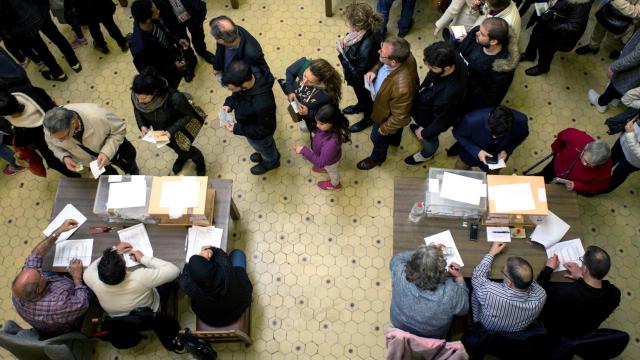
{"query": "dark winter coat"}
(249, 51)
(23, 17)
(360, 58)
(564, 23)
(255, 108)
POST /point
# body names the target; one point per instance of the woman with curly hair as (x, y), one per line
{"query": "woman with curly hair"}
(424, 298)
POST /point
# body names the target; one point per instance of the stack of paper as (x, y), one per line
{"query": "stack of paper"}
(462, 188)
(68, 212)
(73, 249)
(567, 251)
(198, 236)
(458, 31)
(127, 194)
(451, 251)
(156, 137)
(550, 231)
(180, 194)
(139, 239)
(499, 165)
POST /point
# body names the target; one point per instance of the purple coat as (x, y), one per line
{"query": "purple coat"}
(326, 149)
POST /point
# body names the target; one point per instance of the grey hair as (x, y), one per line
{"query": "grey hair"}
(220, 33)
(57, 119)
(599, 152)
(427, 267)
(29, 290)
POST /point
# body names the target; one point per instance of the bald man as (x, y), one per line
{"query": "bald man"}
(53, 304)
(508, 306)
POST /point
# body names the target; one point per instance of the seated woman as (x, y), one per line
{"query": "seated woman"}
(157, 105)
(218, 285)
(424, 299)
(312, 83)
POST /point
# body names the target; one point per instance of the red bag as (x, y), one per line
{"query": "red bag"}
(27, 157)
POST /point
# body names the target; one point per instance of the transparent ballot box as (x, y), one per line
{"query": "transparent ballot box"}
(123, 211)
(456, 193)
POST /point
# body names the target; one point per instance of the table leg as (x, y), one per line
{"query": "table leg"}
(234, 4)
(328, 8)
(235, 214)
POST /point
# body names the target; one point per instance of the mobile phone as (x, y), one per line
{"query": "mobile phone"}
(473, 232)
(491, 160)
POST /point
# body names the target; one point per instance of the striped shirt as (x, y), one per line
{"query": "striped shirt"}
(499, 307)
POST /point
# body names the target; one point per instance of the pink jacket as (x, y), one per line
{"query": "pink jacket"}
(401, 345)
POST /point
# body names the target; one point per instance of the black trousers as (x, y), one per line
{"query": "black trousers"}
(20, 51)
(125, 159)
(50, 30)
(193, 153)
(35, 137)
(196, 30)
(364, 98)
(540, 47)
(112, 29)
(608, 95)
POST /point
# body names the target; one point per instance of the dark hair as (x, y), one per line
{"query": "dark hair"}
(363, 17)
(401, 49)
(329, 76)
(497, 29)
(9, 103)
(111, 267)
(149, 82)
(141, 10)
(500, 121)
(498, 4)
(221, 33)
(331, 114)
(597, 262)
(440, 54)
(237, 73)
(519, 271)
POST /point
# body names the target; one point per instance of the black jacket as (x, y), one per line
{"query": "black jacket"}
(11, 74)
(576, 308)
(172, 116)
(360, 58)
(147, 51)
(197, 10)
(249, 50)
(436, 106)
(564, 23)
(255, 108)
(213, 308)
(23, 17)
(310, 96)
(84, 12)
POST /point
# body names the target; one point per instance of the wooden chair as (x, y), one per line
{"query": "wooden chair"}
(236, 332)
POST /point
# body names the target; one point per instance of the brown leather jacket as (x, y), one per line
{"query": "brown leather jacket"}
(392, 106)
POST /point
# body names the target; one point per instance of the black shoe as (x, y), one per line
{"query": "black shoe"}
(614, 54)
(178, 165)
(102, 48)
(524, 57)
(454, 150)
(535, 71)
(403, 33)
(584, 50)
(416, 159)
(256, 157)
(361, 125)
(189, 77)
(77, 67)
(352, 109)
(124, 47)
(261, 169)
(49, 76)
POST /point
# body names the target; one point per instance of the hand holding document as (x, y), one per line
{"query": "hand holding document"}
(451, 253)
(68, 212)
(225, 117)
(369, 86)
(156, 137)
(95, 170)
(139, 239)
(567, 251)
(499, 165)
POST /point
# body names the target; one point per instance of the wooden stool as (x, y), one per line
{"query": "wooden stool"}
(236, 332)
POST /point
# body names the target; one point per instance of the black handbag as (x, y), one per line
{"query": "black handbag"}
(612, 19)
(197, 348)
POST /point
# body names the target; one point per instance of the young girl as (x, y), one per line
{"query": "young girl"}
(331, 132)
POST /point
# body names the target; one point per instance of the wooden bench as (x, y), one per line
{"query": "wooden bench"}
(236, 332)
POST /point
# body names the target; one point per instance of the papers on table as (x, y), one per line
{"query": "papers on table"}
(180, 194)
(225, 117)
(115, 178)
(369, 86)
(461, 188)
(156, 137)
(198, 236)
(512, 198)
(127, 194)
(73, 249)
(451, 251)
(498, 234)
(541, 8)
(68, 212)
(139, 239)
(95, 170)
(567, 251)
(458, 31)
(550, 231)
(501, 164)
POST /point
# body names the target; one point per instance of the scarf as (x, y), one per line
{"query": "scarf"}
(353, 37)
(152, 105)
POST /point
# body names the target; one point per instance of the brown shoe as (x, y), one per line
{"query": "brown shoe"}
(368, 164)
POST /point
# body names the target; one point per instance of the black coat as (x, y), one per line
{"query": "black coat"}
(11, 74)
(564, 23)
(172, 116)
(197, 10)
(255, 109)
(147, 51)
(360, 58)
(23, 17)
(249, 51)
(84, 12)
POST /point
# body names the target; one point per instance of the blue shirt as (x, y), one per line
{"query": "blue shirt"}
(383, 72)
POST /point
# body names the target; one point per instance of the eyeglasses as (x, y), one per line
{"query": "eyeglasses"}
(581, 258)
(505, 275)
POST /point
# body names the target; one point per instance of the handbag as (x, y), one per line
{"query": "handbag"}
(612, 19)
(30, 159)
(186, 135)
(197, 348)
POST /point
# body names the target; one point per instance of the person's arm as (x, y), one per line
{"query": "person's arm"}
(460, 298)
(519, 133)
(627, 62)
(400, 106)
(43, 247)
(463, 134)
(632, 98)
(627, 8)
(181, 106)
(327, 153)
(158, 271)
(629, 140)
(117, 131)
(444, 113)
(291, 79)
(451, 13)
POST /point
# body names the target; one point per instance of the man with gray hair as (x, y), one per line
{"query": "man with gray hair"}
(235, 43)
(81, 133)
(580, 162)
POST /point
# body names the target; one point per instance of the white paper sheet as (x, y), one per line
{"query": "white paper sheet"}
(198, 236)
(541, 8)
(127, 194)
(73, 249)
(498, 234)
(179, 194)
(434, 185)
(501, 164)
(542, 195)
(445, 238)
(225, 117)
(458, 31)
(150, 137)
(513, 197)
(139, 239)
(567, 251)
(460, 188)
(115, 178)
(95, 170)
(550, 231)
(68, 212)
(369, 86)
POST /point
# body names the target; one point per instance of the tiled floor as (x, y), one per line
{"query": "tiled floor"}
(319, 260)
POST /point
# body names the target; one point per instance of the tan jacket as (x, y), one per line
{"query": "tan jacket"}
(630, 8)
(103, 133)
(392, 106)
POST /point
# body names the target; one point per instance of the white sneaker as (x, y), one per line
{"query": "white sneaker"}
(593, 99)
(615, 103)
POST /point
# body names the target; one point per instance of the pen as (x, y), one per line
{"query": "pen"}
(501, 232)
(186, 237)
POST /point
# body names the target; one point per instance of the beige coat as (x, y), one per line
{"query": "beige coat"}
(103, 133)
(459, 12)
(510, 15)
(630, 8)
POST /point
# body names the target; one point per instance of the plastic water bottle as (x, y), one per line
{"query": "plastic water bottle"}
(417, 211)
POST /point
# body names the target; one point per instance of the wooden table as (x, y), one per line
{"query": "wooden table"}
(408, 236)
(167, 241)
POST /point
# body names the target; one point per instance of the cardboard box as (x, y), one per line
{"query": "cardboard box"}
(202, 214)
(518, 217)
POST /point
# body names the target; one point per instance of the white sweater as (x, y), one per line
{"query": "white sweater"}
(630, 142)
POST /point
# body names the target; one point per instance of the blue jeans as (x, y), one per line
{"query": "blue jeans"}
(381, 143)
(238, 259)
(429, 146)
(267, 149)
(622, 167)
(384, 6)
(7, 154)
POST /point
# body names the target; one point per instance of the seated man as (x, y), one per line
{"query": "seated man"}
(486, 133)
(53, 304)
(578, 308)
(508, 306)
(80, 133)
(119, 291)
(425, 298)
(580, 162)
